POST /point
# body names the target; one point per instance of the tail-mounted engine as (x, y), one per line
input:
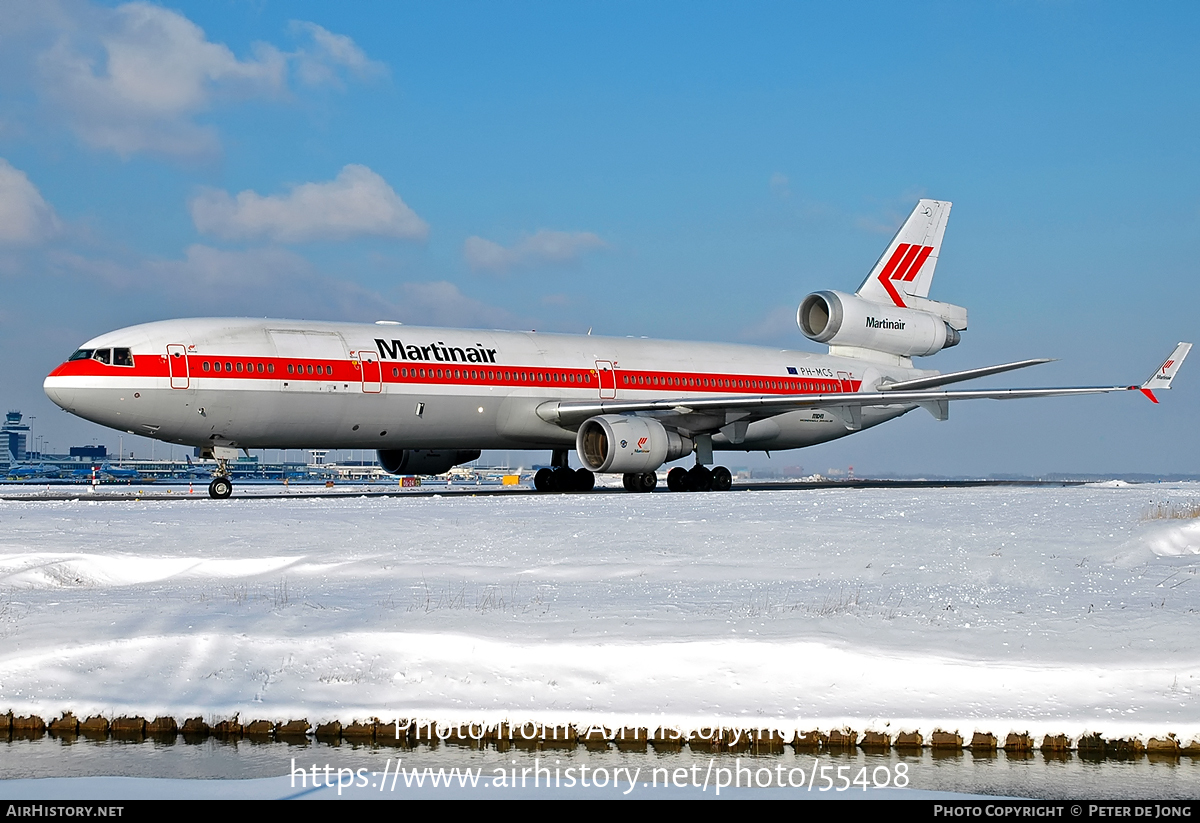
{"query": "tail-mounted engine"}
(622, 443)
(841, 319)
(424, 461)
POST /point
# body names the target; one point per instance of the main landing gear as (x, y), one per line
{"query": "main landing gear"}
(561, 478)
(221, 486)
(699, 479)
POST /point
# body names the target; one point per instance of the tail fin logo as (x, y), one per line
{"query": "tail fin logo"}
(903, 266)
(1167, 365)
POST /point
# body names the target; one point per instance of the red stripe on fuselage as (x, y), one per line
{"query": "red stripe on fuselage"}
(349, 372)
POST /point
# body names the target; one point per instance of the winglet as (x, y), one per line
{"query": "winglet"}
(1161, 379)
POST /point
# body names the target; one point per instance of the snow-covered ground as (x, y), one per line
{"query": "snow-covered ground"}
(1048, 611)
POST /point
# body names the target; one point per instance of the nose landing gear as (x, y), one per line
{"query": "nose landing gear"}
(221, 486)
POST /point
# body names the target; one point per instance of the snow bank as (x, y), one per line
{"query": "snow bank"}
(992, 610)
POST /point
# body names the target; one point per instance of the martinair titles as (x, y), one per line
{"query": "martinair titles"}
(428, 399)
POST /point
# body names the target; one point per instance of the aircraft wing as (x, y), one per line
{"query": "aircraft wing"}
(848, 405)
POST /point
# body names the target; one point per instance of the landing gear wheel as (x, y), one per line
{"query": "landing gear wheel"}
(627, 481)
(677, 479)
(562, 480)
(543, 481)
(722, 480)
(220, 488)
(700, 479)
(645, 482)
(585, 481)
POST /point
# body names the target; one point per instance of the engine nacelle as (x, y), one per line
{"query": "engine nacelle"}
(623, 443)
(424, 461)
(841, 319)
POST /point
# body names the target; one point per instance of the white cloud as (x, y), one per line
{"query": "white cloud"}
(25, 217)
(358, 202)
(440, 303)
(544, 246)
(318, 64)
(273, 282)
(134, 78)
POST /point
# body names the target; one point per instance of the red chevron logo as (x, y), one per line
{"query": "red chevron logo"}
(904, 265)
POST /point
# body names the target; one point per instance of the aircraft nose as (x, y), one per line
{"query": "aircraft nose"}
(61, 395)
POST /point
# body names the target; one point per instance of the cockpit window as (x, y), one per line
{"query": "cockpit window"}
(82, 354)
(122, 357)
(103, 355)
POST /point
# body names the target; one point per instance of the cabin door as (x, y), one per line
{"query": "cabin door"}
(372, 377)
(608, 380)
(177, 365)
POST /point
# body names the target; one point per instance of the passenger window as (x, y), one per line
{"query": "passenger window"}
(329, 369)
(239, 367)
(291, 368)
(310, 368)
(205, 364)
(217, 366)
(228, 366)
(270, 368)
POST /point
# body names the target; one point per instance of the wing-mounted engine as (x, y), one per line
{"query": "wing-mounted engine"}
(841, 319)
(628, 444)
(424, 461)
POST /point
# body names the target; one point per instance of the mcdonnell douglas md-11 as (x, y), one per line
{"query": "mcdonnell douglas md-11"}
(428, 399)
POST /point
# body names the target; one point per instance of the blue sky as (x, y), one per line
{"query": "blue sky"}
(672, 170)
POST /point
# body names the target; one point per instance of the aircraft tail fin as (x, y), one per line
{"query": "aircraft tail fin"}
(904, 274)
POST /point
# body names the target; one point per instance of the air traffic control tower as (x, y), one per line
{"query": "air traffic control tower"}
(13, 437)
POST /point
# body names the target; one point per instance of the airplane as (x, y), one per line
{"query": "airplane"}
(119, 472)
(427, 399)
(29, 471)
(193, 471)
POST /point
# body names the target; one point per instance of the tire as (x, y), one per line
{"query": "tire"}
(220, 488)
(700, 479)
(722, 479)
(627, 480)
(585, 481)
(543, 481)
(677, 479)
(646, 481)
(562, 480)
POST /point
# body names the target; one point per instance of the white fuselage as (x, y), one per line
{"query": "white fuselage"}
(248, 383)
